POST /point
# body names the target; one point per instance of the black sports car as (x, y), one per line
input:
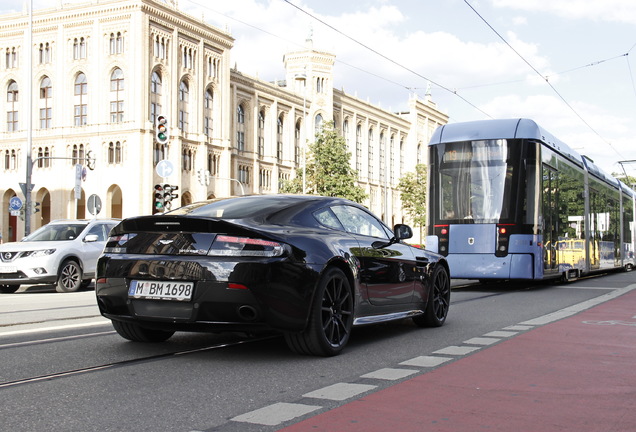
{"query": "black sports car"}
(310, 267)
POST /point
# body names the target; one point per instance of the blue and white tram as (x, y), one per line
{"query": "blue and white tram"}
(507, 200)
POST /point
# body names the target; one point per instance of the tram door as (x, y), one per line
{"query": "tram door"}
(550, 209)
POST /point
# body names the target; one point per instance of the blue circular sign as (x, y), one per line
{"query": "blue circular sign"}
(15, 203)
(164, 168)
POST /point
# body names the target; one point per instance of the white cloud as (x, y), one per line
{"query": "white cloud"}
(607, 10)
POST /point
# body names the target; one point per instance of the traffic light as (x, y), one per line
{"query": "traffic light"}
(36, 207)
(161, 130)
(90, 160)
(169, 195)
(159, 198)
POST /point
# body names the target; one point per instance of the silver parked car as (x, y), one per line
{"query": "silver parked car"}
(62, 252)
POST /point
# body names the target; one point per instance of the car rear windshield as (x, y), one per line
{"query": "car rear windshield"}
(236, 208)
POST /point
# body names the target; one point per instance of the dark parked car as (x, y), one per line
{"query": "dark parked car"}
(309, 267)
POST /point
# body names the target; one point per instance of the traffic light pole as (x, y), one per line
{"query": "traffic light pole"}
(28, 186)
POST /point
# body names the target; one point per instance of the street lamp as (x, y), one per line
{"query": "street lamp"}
(303, 77)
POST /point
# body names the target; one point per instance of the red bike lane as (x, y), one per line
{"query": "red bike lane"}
(576, 374)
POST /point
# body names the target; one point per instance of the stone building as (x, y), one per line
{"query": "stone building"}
(100, 73)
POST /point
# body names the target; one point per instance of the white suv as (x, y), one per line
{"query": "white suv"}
(63, 252)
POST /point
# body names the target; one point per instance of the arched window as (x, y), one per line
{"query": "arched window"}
(184, 97)
(116, 43)
(80, 106)
(318, 123)
(45, 53)
(79, 48)
(46, 93)
(261, 133)
(297, 143)
(12, 105)
(371, 166)
(155, 96)
(359, 149)
(117, 96)
(279, 138)
(240, 128)
(208, 111)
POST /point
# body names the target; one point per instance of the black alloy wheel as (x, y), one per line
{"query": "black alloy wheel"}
(438, 300)
(330, 320)
(70, 277)
(134, 332)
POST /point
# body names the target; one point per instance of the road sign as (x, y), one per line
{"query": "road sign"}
(164, 168)
(15, 203)
(78, 181)
(94, 204)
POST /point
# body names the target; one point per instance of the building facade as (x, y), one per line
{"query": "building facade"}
(94, 78)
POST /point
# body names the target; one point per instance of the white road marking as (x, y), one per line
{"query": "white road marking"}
(426, 361)
(390, 374)
(481, 341)
(276, 414)
(340, 391)
(456, 350)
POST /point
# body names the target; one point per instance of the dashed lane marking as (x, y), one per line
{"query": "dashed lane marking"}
(339, 391)
(481, 341)
(426, 361)
(456, 350)
(276, 414)
(390, 374)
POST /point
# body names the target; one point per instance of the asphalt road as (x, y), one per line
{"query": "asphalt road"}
(65, 369)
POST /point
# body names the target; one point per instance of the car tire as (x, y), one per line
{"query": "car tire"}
(134, 332)
(69, 277)
(330, 318)
(8, 289)
(438, 300)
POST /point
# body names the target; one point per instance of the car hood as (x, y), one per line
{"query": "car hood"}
(28, 246)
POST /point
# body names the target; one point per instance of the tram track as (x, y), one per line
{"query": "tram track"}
(123, 363)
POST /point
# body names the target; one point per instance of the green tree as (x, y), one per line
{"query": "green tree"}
(412, 189)
(328, 170)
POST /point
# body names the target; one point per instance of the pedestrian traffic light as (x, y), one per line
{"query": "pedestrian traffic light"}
(159, 198)
(161, 130)
(36, 207)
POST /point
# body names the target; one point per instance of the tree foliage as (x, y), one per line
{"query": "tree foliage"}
(328, 170)
(412, 187)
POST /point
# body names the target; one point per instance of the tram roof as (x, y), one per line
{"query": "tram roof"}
(517, 128)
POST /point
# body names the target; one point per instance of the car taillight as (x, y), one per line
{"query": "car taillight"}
(117, 243)
(225, 245)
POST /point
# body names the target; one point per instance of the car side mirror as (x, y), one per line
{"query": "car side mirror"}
(401, 232)
(91, 238)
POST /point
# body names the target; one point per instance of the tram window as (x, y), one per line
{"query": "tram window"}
(476, 182)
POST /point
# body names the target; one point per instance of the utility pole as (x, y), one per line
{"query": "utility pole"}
(29, 161)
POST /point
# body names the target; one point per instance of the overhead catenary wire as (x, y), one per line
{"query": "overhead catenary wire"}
(545, 78)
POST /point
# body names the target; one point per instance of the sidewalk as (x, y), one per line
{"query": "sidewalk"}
(577, 374)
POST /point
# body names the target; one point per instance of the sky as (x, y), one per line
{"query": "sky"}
(570, 65)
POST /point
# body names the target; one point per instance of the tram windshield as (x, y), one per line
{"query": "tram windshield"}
(475, 180)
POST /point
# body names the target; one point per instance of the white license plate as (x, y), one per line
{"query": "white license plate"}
(8, 269)
(160, 290)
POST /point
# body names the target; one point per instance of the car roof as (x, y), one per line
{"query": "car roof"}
(80, 221)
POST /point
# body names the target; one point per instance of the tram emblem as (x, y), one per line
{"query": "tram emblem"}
(471, 240)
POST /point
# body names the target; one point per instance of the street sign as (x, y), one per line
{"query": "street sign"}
(94, 204)
(15, 203)
(164, 168)
(23, 187)
(78, 181)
